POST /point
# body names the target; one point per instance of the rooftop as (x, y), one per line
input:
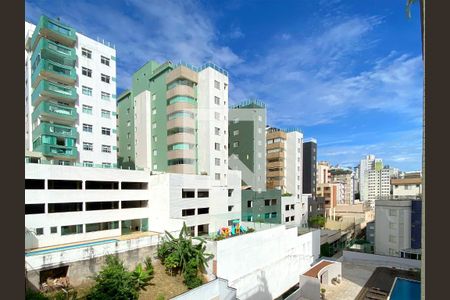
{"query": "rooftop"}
(314, 271)
(405, 181)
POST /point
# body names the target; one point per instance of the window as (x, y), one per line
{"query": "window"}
(392, 212)
(88, 146)
(134, 204)
(102, 226)
(31, 209)
(250, 203)
(267, 202)
(87, 127)
(86, 90)
(230, 207)
(105, 78)
(155, 152)
(230, 192)
(216, 100)
(88, 163)
(154, 111)
(292, 218)
(217, 176)
(236, 132)
(217, 84)
(274, 202)
(106, 149)
(106, 165)
(107, 97)
(217, 146)
(34, 184)
(217, 161)
(217, 130)
(235, 144)
(154, 125)
(53, 229)
(187, 193)
(71, 229)
(86, 72)
(292, 205)
(217, 116)
(188, 212)
(225, 86)
(106, 131)
(287, 207)
(86, 53)
(286, 219)
(87, 109)
(128, 135)
(392, 239)
(104, 60)
(153, 97)
(39, 231)
(203, 211)
(106, 114)
(203, 193)
(64, 207)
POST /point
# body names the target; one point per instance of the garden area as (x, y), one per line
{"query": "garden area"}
(180, 265)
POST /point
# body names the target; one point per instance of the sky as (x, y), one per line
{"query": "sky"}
(347, 73)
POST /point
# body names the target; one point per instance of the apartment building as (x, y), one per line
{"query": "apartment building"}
(367, 164)
(247, 142)
(378, 183)
(331, 192)
(70, 92)
(323, 172)
(309, 167)
(67, 204)
(175, 119)
(398, 227)
(345, 177)
(406, 187)
(285, 160)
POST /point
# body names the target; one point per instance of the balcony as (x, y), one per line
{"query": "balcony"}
(56, 130)
(275, 173)
(275, 164)
(48, 111)
(186, 138)
(47, 89)
(56, 151)
(181, 122)
(181, 106)
(181, 90)
(279, 145)
(55, 52)
(187, 153)
(53, 70)
(181, 72)
(275, 155)
(53, 30)
(181, 168)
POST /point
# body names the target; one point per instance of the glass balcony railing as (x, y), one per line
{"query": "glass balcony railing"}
(53, 30)
(48, 89)
(55, 52)
(54, 70)
(57, 151)
(49, 111)
(56, 130)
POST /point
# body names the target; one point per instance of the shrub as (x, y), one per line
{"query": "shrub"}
(149, 266)
(115, 282)
(190, 275)
(34, 295)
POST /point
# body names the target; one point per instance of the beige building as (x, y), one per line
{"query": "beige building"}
(345, 177)
(323, 172)
(406, 187)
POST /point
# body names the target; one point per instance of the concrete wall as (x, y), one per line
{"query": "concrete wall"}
(329, 272)
(143, 136)
(265, 264)
(215, 289)
(80, 271)
(309, 287)
(380, 260)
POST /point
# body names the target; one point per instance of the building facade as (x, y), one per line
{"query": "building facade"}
(66, 204)
(247, 142)
(406, 187)
(175, 119)
(323, 172)
(309, 167)
(344, 177)
(70, 91)
(397, 226)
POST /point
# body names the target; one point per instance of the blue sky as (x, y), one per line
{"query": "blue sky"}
(348, 73)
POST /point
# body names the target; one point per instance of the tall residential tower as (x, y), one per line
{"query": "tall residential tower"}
(70, 87)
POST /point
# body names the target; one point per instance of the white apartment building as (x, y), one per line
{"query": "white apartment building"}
(70, 95)
(392, 226)
(67, 204)
(294, 164)
(406, 187)
(379, 185)
(212, 118)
